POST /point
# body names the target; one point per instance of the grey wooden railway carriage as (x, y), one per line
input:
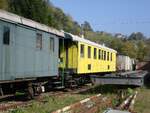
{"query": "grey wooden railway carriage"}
(27, 49)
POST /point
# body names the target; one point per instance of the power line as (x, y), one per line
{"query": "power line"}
(124, 22)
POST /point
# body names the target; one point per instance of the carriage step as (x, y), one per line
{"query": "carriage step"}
(58, 82)
(74, 85)
(55, 78)
(59, 87)
(71, 81)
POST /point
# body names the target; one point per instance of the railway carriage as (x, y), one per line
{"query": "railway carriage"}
(34, 56)
(81, 56)
(28, 52)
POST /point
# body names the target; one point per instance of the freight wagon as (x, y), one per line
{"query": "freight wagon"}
(125, 63)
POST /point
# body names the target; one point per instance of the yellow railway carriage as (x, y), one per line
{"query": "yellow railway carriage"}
(81, 56)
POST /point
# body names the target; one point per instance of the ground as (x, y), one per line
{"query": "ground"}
(142, 102)
(52, 103)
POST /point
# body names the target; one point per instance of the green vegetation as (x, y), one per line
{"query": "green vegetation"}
(136, 45)
(50, 104)
(4, 4)
(142, 102)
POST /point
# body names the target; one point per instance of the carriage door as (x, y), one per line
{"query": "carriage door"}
(5, 52)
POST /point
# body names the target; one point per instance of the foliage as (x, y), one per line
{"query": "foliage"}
(136, 36)
(142, 100)
(3, 4)
(86, 27)
(51, 103)
(136, 45)
(130, 91)
(142, 50)
(32, 9)
(16, 111)
(129, 49)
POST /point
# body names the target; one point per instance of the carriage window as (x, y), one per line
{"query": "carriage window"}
(39, 41)
(89, 66)
(95, 53)
(99, 54)
(104, 55)
(6, 36)
(81, 50)
(111, 56)
(89, 52)
(52, 44)
(108, 56)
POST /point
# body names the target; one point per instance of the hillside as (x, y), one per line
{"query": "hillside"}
(136, 45)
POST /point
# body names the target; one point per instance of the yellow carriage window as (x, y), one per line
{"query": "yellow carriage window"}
(99, 54)
(95, 53)
(89, 52)
(89, 66)
(81, 50)
(111, 56)
(108, 56)
(104, 55)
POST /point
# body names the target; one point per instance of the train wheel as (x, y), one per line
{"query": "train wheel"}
(30, 91)
(38, 89)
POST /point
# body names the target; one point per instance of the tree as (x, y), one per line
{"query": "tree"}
(86, 27)
(76, 28)
(129, 49)
(43, 11)
(33, 9)
(142, 50)
(4, 4)
(117, 44)
(136, 36)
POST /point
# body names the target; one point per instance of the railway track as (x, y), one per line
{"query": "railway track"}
(12, 104)
(128, 103)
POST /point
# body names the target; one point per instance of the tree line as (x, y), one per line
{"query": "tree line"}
(136, 45)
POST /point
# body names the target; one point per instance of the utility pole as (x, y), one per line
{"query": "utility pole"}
(82, 31)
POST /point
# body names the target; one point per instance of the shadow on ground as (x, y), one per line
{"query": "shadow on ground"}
(108, 89)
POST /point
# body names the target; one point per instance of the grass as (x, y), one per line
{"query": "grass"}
(142, 103)
(50, 103)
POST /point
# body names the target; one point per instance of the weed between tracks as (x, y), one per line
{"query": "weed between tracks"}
(52, 103)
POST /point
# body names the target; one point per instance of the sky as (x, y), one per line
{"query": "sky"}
(114, 16)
